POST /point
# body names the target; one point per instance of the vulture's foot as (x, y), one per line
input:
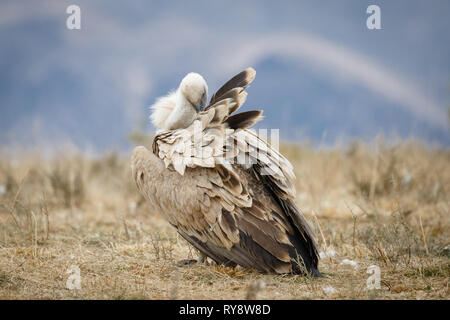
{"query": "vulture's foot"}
(191, 262)
(186, 262)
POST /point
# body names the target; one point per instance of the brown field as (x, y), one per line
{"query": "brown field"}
(386, 206)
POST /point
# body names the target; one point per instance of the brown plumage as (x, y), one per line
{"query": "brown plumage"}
(225, 190)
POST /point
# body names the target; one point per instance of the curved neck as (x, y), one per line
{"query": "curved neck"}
(182, 115)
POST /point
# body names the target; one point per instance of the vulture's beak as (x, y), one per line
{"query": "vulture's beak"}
(199, 106)
(202, 104)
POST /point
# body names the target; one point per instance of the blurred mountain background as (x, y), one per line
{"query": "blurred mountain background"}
(322, 76)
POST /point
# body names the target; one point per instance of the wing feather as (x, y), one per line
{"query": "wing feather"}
(241, 80)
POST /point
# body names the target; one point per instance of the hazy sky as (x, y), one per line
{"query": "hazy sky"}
(320, 71)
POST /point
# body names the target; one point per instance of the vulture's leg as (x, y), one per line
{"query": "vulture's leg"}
(202, 259)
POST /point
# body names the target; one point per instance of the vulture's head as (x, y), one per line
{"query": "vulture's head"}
(195, 90)
(179, 109)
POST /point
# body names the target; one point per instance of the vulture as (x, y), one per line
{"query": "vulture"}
(221, 186)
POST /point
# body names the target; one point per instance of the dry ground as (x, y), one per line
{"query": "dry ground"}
(387, 206)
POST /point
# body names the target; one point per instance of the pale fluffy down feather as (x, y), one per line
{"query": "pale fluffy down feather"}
(162, 108)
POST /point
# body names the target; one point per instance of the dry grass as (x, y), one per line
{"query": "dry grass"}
(387, 207)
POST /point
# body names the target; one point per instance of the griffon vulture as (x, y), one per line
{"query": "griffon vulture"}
(223, 188)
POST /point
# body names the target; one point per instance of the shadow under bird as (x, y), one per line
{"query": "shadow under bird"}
(221, 186)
